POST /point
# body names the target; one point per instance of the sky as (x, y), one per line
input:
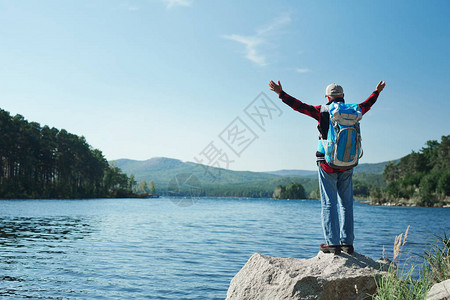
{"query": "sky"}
(188, 79)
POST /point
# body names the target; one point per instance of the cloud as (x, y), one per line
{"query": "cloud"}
(275, 25)
(173, 3)
(302, 70)
(251, 43)
(254, 43)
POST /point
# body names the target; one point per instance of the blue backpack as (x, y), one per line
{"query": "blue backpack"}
(342, 148)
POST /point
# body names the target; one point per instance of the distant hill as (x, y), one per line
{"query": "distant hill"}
(376, 168)
(161, 170)
(227, 182)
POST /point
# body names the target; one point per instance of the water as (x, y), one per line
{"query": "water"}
(154, 249)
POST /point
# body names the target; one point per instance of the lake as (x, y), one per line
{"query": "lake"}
(159, 249)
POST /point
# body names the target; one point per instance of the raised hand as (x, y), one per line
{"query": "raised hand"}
(275, 87)
(381, 86)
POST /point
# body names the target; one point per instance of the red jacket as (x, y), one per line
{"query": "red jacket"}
(314, 112)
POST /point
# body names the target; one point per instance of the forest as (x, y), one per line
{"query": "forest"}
(291, 191)
(420, 178)
(44, 162)
(281, 188)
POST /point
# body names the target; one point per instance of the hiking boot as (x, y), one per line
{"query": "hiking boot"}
(335, 249)
(347, 249)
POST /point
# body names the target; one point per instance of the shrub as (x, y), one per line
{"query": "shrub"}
(400, 284)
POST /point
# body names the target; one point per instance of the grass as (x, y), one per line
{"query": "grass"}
(399, 283)
(438, 260)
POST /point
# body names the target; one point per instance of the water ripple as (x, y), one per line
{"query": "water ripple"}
(152, 249)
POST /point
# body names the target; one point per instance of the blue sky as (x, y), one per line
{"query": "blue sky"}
(141, 79)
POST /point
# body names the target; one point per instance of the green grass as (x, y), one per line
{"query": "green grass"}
(438, 260)
(399, 283)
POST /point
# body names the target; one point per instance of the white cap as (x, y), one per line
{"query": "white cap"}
(334, 90)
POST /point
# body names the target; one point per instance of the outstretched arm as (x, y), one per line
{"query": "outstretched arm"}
(366, 105)
(309, 110)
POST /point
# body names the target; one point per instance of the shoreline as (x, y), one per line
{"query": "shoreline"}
(363, 201)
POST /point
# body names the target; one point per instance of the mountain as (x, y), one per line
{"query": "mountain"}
(163, 167)
(367, 168)
(161, 170)
(223, 182)
(229, 183)
(376, 168)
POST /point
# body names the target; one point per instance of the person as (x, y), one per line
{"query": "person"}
(336, 188)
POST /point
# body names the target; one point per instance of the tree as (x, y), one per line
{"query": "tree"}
(152, 187)
(132, 184)
(420, 177)
(291, 191)
(315, 194)
(143, 187)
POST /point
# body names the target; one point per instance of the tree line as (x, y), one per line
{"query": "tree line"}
(420, 178)
(290, 191)
(284, 187)
(44, 162)
(260, 189)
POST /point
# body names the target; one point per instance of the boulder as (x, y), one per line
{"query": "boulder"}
(440, 291)
(325, 276)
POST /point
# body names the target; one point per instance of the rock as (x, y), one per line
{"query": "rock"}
(440, 291)
(325, 276)
(385, 263)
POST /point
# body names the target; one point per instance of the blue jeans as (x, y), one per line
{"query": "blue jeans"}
(337, 189)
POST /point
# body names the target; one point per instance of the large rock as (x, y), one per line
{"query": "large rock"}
(440, 291)
(325, 276)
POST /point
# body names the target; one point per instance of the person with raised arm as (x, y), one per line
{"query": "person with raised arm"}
(337, 153)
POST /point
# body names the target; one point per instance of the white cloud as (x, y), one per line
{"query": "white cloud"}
(254, 43)
(251, 43)
(275, 25)
(172, 3)
(302, 70)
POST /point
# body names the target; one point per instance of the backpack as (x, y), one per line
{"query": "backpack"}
(342, 147)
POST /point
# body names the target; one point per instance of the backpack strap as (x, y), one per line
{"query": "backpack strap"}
(324, 124)
(324, 108)
(324, 121)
